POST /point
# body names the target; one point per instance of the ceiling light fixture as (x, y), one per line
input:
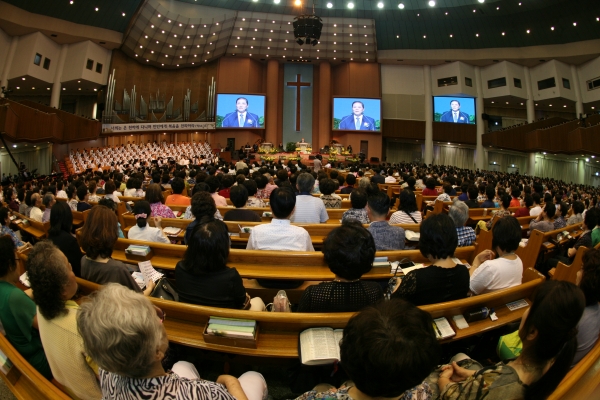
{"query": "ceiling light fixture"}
(432, 3)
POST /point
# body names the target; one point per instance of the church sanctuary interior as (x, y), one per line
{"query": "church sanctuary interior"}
(198, 161)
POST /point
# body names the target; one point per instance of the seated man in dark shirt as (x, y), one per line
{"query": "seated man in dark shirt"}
(350, 181)
(83, 195)
(386, 237)
(490, 193)
(239, 196)
(472, 192)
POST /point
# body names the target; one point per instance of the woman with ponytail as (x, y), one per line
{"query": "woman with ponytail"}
(142, 231)
(549, 334)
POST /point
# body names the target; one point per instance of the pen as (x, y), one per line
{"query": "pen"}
(435, 327)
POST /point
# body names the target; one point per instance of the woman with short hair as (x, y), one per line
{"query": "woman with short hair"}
(125, 335)
(349, 252)
(141, 230)
(54, 285)
(330, 199)
(443, 280)
(98, 238)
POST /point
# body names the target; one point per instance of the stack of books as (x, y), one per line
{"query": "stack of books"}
(231, 327)
(137, 250)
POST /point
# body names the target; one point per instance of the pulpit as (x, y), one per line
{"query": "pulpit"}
(338, 147)
(303, 147)
(267, 146)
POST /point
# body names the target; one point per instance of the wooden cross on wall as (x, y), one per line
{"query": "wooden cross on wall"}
(298, 85)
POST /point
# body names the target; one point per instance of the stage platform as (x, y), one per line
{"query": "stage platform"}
(307, 159)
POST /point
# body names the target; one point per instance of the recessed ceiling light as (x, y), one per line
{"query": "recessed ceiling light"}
(551, 28)
(123, 14)
(96, 8)
(380, 5)
(329, 5)
(20, 88)
(503, 34)
(528, 31)
(450, 35)
(401, 6)
(350, 5)
(169, 21)
(432, 3)
(276, 1)
(63, 88)
(477, 34)
(481, 1)
(158, 15)
(574, 23)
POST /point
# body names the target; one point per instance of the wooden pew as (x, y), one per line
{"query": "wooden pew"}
(24, 380)
(335, 214)
(538, 242)
(278, 336)
(564, 272)
(267, 264)
(583, 380)
(36, 229)
(79, 217)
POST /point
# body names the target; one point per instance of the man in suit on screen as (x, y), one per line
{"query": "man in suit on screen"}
(455, 115)
(357, 121)
(241, 118)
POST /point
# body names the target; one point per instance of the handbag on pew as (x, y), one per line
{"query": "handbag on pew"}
(164, 289)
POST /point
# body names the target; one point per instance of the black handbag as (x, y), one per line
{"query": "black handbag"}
(165, 290)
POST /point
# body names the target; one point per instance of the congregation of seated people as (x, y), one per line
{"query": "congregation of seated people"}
(112, 343)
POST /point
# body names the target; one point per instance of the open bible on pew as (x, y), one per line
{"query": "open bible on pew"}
(320, 346)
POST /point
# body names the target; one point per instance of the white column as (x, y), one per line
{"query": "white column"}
(428, 156)
(56, 86)
(581, 170)
(531, 166)
(530, 103)
(8, 62)
(479, 159)
(578, 97)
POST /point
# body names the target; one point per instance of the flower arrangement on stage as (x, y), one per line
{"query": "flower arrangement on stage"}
(267, 158)
(346, 153)
(349, 159)
(275, 151)
(293, 158)
(264, 150)
(333, 151)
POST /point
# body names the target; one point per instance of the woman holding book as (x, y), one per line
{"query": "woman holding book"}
(124, 334)
(98, 238)
(349, 252)
(443, 280)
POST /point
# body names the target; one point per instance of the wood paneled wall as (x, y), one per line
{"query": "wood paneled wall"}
(148, 80)
(26, 124)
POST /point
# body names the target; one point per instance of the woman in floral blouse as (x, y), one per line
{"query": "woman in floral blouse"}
(155, 197)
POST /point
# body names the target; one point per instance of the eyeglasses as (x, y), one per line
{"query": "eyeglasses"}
(160, 314)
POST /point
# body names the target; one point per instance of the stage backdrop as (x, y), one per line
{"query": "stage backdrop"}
(290, 86)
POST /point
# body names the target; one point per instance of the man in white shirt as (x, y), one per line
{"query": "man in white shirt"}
(309, 209)
(280, 234)
(536, 209)
(36, 212)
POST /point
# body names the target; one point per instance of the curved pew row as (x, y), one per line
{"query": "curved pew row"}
(279, 332)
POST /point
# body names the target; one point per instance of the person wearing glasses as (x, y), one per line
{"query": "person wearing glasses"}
(54, 284)
(124, 333)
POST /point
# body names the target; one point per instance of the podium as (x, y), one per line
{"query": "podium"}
(267, 146)
(303, 147)
(338, 147)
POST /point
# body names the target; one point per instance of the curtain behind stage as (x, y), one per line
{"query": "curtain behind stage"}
(39, 157)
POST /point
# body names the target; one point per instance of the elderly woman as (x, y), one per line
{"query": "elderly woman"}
(36, 213)
(444, 279)
(125, 335)
(203, 276)
(155, 197)
(18, 314)
(48, 202)
(358, 201)
(459, 212)
(142, 231)
(330, 199)
(407, 213)
(54, 286)
(98, 237)
(5, 227)
(61, 222)
(489, 273)
(349, 252)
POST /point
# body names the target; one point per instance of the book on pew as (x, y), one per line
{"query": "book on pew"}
(5, 363)
(442, 328)
(231, 327)
(171, 231)
(138, 250)
(320, 346)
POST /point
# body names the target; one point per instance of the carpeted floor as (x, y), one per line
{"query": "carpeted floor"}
(5, 393)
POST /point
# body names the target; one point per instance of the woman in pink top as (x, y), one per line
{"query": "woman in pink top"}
(155, 197)
(213, 183)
